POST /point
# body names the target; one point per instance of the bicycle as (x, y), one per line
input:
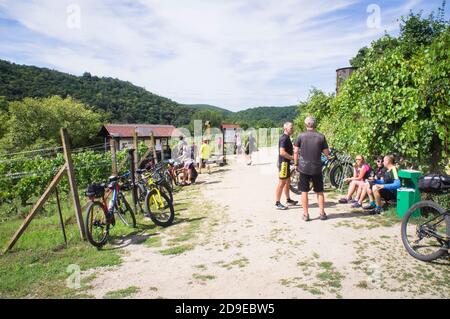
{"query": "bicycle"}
(175, 169)
(425, 230)
(329, 171)
(100, 216)
(151, 189)
(342, 169)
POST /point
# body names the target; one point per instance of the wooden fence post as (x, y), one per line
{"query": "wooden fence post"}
(152, 137)
(113, 144)
(72, 181)
(136, 153)
(131, 153)
(36, 208)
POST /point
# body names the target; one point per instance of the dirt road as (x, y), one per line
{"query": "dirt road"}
(234, 244)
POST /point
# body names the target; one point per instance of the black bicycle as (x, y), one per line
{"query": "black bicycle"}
(426, 230)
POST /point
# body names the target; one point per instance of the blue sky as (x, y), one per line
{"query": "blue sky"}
(230, 53)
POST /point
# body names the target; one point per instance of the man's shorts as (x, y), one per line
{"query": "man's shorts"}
(305, 180)
(388, 194)
(284, 170)
(204, 162)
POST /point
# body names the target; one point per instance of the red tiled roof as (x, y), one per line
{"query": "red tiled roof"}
(126, 130)
(225, 126)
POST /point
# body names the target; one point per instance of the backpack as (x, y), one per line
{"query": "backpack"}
(96, 190)
(434, 183)
(194, 174)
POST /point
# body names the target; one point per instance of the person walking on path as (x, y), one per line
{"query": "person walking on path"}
(285, 156)
(250, 147)
(308, 149)
(205, 153)
(238, 144)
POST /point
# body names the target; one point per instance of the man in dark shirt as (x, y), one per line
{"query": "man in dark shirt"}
(307, 157)
(285, 155)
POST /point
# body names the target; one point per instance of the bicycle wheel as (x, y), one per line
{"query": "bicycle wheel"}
(169, 179)
(124, 211)
(160, 208)
(295, 178)
(141, 193)
(96, 225)
(339, 172)
(165, 188)
(425, 237)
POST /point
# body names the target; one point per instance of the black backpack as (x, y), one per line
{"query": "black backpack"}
(96, 190)
(434, 183)
(194, 174)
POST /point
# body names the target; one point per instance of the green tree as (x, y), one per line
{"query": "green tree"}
(35, 123)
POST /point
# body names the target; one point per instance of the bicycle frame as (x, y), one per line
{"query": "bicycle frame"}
(115, 191)
(426, 229)
(148, 180)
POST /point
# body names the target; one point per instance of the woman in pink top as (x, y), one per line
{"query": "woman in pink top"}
(361, 172)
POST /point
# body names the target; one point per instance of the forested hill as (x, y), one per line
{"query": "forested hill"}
(125, 102)
(121, 101)
(266, 116)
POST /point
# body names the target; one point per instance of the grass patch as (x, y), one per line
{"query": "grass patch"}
(176, 250)
(321, 277)
(153, 241)
(37, 266)
(122, 293)
(240, 263)
(203, 277)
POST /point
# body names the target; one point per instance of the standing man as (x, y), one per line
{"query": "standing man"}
(310, 145)
(285, 156)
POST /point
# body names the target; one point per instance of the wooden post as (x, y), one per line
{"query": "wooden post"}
(152, 137)
(113, 143)
(223, 147)
(133, 179)
(36, 208)
(60, 215)
(136, 147)
(72, 181)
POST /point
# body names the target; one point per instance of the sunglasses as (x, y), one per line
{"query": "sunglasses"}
(359, 159)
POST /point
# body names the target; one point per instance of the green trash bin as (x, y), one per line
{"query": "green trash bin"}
(409, 193)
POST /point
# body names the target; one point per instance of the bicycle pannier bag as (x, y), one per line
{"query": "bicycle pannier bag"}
(434, 183)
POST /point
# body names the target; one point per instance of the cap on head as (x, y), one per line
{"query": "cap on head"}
(310, 122)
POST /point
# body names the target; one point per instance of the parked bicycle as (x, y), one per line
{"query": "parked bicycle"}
(425, 228)
(100, 216)
(154, 194)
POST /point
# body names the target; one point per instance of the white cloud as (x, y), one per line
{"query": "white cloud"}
(231, 53)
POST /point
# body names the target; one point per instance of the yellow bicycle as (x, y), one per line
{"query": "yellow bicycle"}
(152, 191)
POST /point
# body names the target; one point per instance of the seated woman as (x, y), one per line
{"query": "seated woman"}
(361, 172)
(385, 188)
(376, 175)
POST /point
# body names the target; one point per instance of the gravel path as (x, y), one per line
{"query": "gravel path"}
(244, 248)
